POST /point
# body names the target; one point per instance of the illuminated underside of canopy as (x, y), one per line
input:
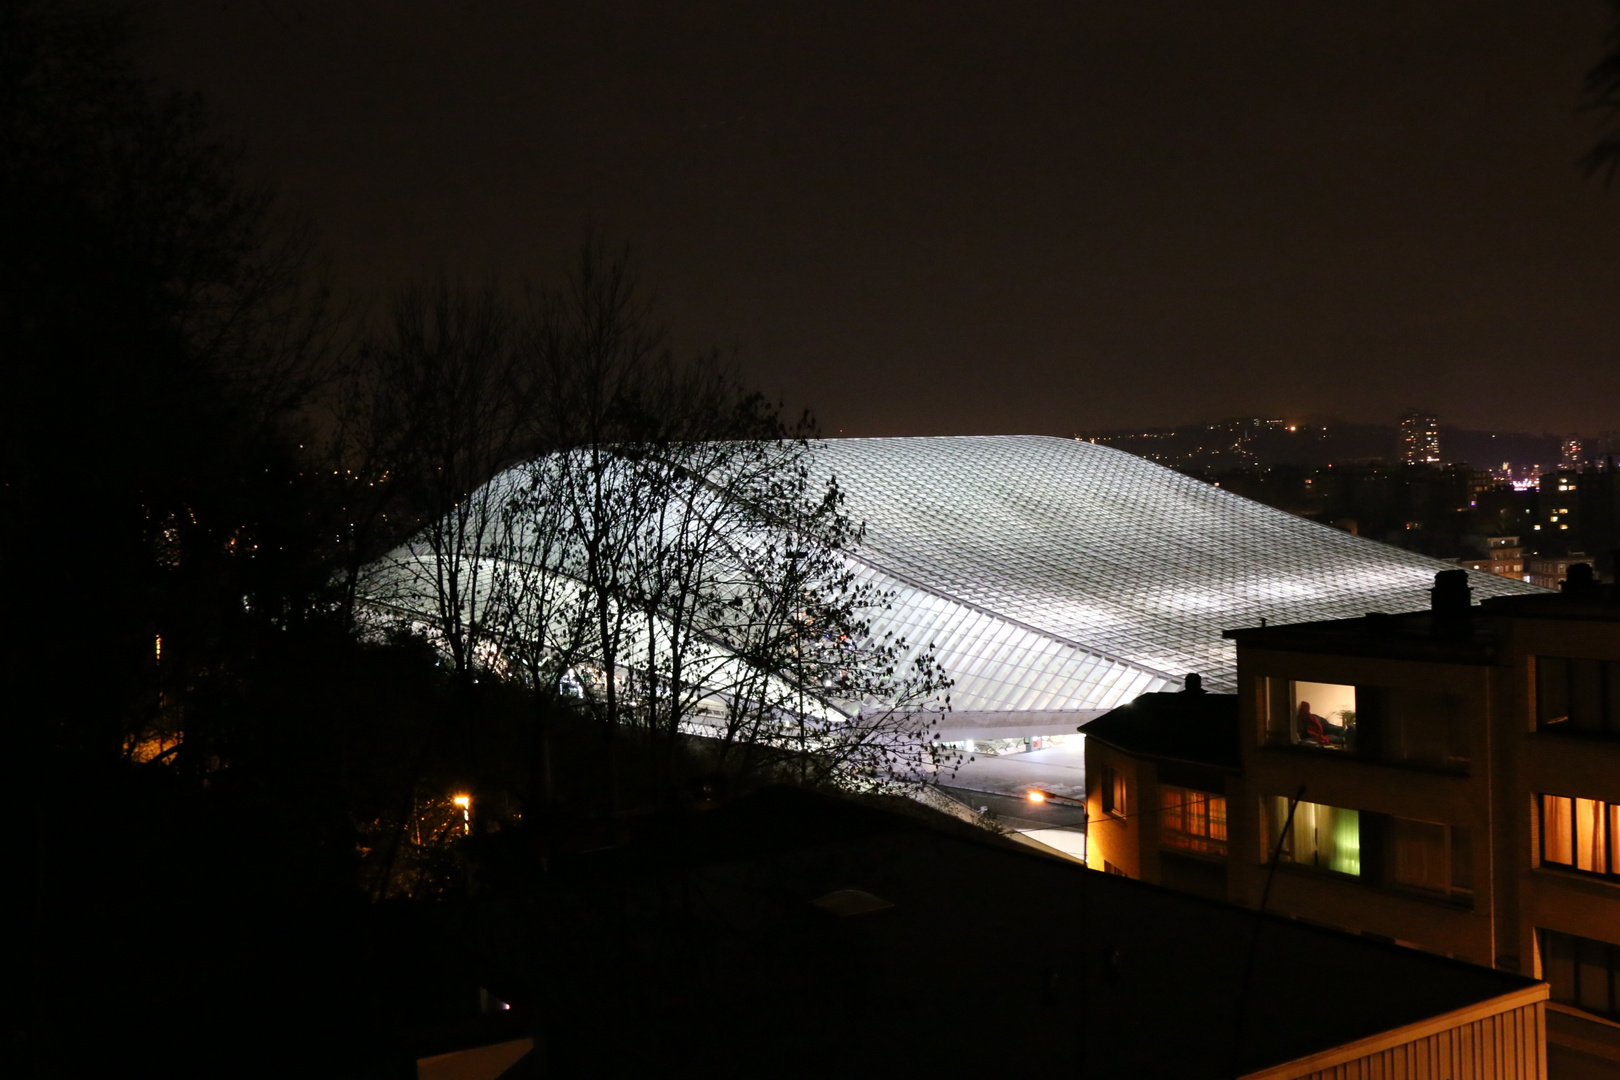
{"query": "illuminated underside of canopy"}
(1059, 579)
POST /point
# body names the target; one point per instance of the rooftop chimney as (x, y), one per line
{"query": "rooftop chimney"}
(1451, 604)
(1579, 581)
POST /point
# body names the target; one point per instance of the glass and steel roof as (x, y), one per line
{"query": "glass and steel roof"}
(1058, 579)
(1058, 575)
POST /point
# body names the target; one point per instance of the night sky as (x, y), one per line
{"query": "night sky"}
(946, 217)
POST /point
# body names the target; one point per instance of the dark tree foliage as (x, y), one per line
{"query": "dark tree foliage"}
(1602, 94)
(211, 768)
(189, 732)
(155, 341)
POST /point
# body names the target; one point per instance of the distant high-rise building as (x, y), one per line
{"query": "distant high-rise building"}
(1420, 438)
(1572, 454)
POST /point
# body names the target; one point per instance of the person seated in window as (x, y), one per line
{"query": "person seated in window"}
(1317, 729)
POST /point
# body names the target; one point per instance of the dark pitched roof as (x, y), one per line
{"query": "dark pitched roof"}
(1186, 726)
(1120, 978)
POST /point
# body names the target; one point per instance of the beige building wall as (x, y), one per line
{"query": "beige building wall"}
(1122, 841)
(1548, 897)
(1463, 930)
(1502, 1039)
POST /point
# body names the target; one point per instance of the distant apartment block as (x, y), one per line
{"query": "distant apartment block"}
(1548, 571)
(1505, 559)
(1420, 438)
(1579, 511)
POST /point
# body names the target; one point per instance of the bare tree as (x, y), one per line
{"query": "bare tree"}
(819, 692)
(670, 560)
(439, 410)
(444, 411)
(537, 611)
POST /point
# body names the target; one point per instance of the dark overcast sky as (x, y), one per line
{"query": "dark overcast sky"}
(945, 217)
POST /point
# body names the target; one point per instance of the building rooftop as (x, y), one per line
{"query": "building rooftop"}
(1059, 579)
(1060, 575)
(1465, 634)
(1189, 725)
(819, 935)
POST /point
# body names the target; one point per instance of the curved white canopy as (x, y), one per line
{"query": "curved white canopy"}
(1059, 576)
(1058, 579)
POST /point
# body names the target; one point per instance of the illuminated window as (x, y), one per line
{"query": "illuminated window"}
(1326, 837)
(1580, 834)
(1192, 820)
(1321, 716)
(1582, 972)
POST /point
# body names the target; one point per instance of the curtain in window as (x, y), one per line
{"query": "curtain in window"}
(1578, 833)
(1344, 852)
(1557, 830)
(1193, 820)
(1589, 836)
(1325, 836)
(1172, 807)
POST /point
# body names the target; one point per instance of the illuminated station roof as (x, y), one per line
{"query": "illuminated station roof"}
(1059, 579)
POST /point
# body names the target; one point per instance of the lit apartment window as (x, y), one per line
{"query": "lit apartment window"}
(1321, 716)
(1581, 971)
(1580, 834)
(1326, 837)
(1111, 786)
(1578, 695)
(1192, 820)
(1432, 857)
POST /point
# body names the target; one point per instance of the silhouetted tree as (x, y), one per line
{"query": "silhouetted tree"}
(670, 561)
(1601, 93)
(157, 337)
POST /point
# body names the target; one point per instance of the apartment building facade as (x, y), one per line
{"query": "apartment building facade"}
(1447, 779)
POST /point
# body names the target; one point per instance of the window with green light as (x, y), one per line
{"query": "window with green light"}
(1326, 837)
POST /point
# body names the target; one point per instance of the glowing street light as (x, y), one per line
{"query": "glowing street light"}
(1036, 795)
(465, 802)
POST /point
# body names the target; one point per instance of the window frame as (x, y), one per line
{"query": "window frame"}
(1453, 837)
(1606, 822)
(1606, 724)
(1571, 995)
(1274, 811)
(1181, 839)
(1113, 793)
(1282, 707)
